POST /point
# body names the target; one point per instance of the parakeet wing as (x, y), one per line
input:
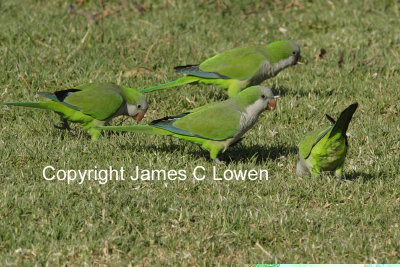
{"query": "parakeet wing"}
(99, 103)
(239, 63)
(310, 140)
(215, 123)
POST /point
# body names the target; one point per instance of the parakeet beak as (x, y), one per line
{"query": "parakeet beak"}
(271, 105)
(138, 117)
(298, 59)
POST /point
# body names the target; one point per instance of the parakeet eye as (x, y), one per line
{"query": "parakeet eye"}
(294, 53)
(262, 96)
(139, 106)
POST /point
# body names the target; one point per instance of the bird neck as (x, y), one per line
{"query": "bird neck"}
(123, 110)
(281, 64)
(268, 70)
(248, 119)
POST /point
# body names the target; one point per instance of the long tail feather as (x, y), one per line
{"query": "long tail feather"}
(343, 122)
(146, 129)
(25, 104)
(178, 82)
(50, 105)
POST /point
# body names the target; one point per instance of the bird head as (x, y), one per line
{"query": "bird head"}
(284, 52)
(256, 99)
(136, 104)
(137, 110)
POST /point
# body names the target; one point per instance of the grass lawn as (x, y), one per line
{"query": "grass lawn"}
(48, 45)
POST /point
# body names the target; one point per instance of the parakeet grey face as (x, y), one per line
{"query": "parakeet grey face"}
(137, 111)
(295, 57)
(280, 56)
(256, 99)
(292, 56)
(265, 101)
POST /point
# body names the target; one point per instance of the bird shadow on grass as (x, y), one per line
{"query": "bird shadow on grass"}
(356, 175)
(234, 154)
(240, 153)
(281, 90)
(286, 91)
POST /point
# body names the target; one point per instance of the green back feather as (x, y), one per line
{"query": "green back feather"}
(238, 63)
(310, 140)
(215, 123)
(99, 103)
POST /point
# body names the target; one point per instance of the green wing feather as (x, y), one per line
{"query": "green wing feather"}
(215, 122)
(239, 63)
(310, 140)
(98, 102)
(98, 86)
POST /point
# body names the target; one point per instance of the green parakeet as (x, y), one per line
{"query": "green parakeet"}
(91, 104)
(238, 68)
(214, 126)
(325, 150)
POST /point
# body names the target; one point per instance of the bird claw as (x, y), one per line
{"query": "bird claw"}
(341, 181)
(64, 125)
(217, 161)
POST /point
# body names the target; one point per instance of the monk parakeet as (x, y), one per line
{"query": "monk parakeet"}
(238, 68)
(214, 126)
(325, 150)
(91, 104)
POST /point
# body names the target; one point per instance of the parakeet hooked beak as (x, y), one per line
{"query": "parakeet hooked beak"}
(138, 117)
(298, 59)
(271, 105)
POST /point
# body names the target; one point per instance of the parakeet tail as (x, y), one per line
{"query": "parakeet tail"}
(178, 82)
(25, 104)
(146, 129)
(51, 105)
(343, 122)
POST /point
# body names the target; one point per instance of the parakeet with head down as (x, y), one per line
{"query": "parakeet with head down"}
(91, 104)
(214, 126)
(238, 68)
(325, 150)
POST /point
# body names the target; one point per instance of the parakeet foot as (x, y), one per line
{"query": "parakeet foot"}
(217, 161)
(340, 180)
(339, 174)
(63, 126)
